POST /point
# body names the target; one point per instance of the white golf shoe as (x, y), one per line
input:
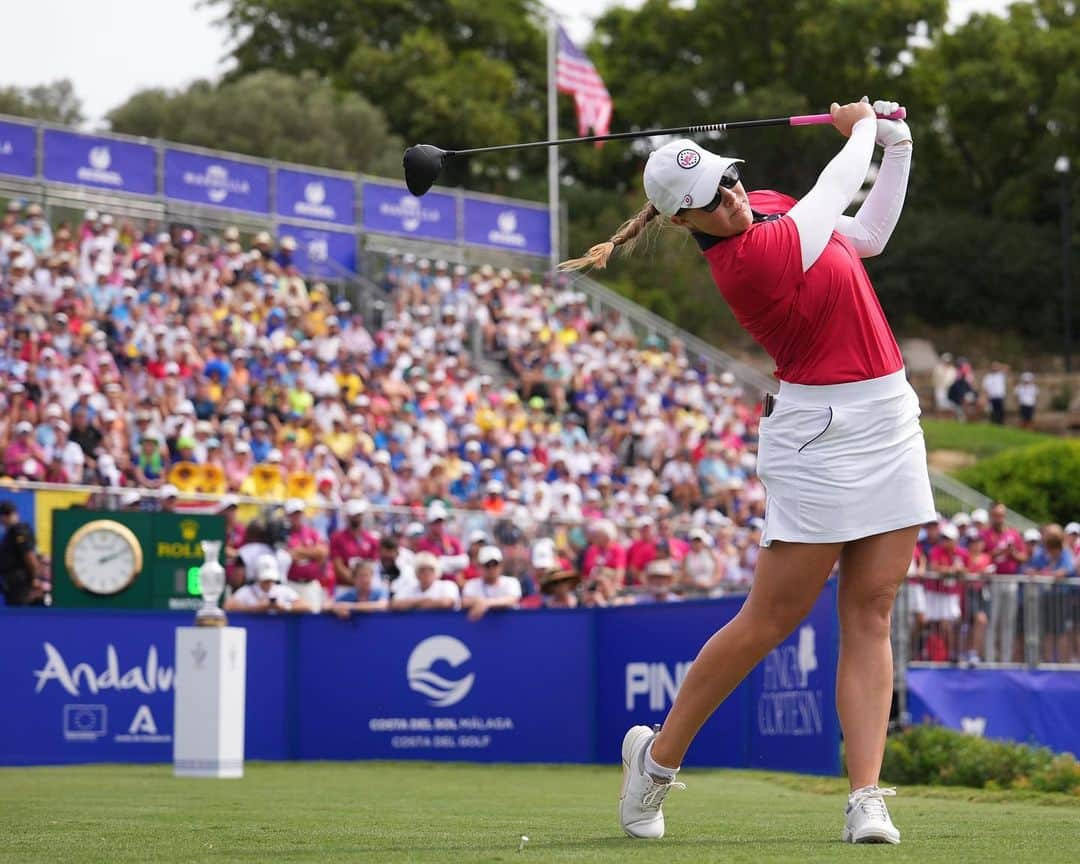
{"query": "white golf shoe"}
(867, 818)
(642, 796)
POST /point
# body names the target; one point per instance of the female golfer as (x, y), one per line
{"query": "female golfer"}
(841, 452)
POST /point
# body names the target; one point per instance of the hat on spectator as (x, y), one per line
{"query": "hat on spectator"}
(950, 531)
(1072, 528)
(381, 457)
(130, 499)
(973, 534)
(700, 534)
(661, 567)
(478, 536)
(489, 554)
(961, 520)
(169, 491)
(437, 511)
(241, 446)
(980, 517)
(294, 505)
(552, 577)
(267, 570)
(426, 559)
(494, 487)
(1032, 535)
(274, 455)
(23, 426)
(355, 507)
(414, 529)
(228, 502)
(543, 554)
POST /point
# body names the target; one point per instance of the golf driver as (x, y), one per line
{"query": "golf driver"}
(423, 162)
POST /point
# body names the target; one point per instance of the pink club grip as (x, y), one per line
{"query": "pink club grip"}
(820, 119)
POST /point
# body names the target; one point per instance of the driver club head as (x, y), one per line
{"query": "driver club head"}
(423, 162)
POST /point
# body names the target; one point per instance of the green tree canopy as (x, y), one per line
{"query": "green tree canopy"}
(271, 114)
(55, 102)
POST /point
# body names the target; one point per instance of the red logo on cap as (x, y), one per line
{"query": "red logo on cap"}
(688, 158)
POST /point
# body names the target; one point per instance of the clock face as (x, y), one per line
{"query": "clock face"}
(103, 557)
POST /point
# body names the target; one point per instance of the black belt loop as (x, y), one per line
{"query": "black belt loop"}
(768, 405)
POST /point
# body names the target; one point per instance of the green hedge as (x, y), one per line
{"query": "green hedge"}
(934, 756)
(1041, 481)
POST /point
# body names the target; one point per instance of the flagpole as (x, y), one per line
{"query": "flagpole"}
(553, 133)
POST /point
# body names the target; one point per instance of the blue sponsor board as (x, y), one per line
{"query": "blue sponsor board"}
(216, 181)
(512, 227)
(321, 253)
(105, 163)
(319, 197)
(549, 686)
(1032, 706)
(394, 210)
(17, 146)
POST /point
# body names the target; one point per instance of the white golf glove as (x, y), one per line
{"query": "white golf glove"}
(889, 132)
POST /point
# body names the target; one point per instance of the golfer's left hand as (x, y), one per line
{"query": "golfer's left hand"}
(889, 132)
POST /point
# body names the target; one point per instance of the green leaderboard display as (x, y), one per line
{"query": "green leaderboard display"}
(103, 559)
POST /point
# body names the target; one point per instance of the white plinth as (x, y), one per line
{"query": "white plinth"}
(211, 669)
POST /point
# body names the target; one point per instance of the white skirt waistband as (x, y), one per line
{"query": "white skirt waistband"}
(894, 384)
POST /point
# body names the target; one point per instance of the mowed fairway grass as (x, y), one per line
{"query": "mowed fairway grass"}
(396, 812)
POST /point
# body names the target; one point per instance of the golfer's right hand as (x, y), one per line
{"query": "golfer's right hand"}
(844, 117)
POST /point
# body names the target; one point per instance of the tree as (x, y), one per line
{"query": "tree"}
(270, 114)
(55, 102)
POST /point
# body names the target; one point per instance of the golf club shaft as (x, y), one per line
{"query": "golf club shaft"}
(799, 120)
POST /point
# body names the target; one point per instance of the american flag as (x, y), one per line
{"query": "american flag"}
(575, 74)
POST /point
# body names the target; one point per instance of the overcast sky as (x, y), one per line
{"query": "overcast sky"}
(112, 48)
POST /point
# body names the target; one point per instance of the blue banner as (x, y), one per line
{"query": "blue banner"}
(106, 163)
(394, 210)
(1030, 706)
(437, 686)
(98, 687)
(320, 197)
(217, 182)
(17, 146)
(507, 226)
(321, 253)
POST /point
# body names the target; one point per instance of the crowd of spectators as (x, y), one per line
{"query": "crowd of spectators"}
(161, 361)
(958, 394)
(968, 584)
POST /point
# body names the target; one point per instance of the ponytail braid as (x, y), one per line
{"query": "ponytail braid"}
(629, 233)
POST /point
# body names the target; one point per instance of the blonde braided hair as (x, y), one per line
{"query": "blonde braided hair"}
(629, 234)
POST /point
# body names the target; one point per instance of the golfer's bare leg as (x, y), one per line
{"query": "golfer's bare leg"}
(871, 571)
(787, 581)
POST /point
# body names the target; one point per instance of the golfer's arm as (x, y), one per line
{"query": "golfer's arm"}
(816, 215)
(869, 230)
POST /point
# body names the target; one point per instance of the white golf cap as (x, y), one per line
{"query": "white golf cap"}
(1032, 535)
(1072, 528)
(169, 491)
(980, 516)
(294, 505)
(267, 570)
(355, 507)
(950, 531)
(489, 554)
(683, 174)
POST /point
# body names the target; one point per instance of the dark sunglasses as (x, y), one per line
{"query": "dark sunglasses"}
(490, 564)
(727, 181)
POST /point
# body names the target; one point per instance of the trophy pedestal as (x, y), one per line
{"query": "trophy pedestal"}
(208, 736)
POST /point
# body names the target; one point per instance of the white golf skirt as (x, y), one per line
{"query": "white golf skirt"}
(843, 461)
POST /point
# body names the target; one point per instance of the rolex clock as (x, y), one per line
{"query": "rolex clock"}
(103, 557)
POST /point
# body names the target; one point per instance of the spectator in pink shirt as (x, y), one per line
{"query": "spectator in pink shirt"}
(641, 552)
(440, 542)
(1005, 544)
(351, 544)
(603, 552)
(22, 448)
(949, 561)
(308, 549)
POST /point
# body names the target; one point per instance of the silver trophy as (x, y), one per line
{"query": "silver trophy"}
(212, 586)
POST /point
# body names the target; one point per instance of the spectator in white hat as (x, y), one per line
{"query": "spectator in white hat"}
(701, 568)
(427, 590)
(351, 543)
(441, 543)
(492, 590)
(1027, 397)
(266, 595)
(659, 583)
(309, 572)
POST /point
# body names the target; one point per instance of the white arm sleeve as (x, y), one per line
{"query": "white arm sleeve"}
(870, 229)
(816, 215)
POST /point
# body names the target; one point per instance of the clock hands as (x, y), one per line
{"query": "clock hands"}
(112, 557)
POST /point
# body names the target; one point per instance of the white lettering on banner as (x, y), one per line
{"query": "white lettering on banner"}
(506, 233)
(313, 204)
(787, 706)
(6, 148)
(217, 183)
(975, 726)
(98, 170)
(150, 678)
(410, 212)
(430, 733)
(318, 251)
(143, 729)
(656, 680)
